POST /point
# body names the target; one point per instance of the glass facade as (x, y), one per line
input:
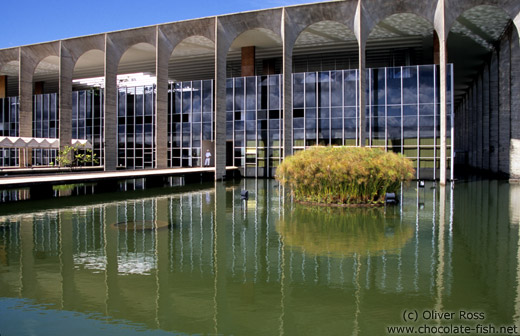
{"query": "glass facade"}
(9, 126)
(403, 111)
(136, 127)
(190, 121)
(325, 108)
(254, 123)
(87, 119)
(402, 116)
(45, 125)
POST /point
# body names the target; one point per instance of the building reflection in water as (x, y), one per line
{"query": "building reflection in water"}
(207, 261)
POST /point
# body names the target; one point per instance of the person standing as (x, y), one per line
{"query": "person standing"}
(207, 162)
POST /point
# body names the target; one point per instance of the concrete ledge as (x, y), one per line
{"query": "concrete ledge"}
(65, 178)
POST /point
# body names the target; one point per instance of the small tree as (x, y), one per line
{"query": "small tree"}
(75, 156)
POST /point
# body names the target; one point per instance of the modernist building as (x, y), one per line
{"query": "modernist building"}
(435, 80)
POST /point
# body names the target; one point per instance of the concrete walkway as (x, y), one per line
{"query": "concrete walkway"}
(62, 178)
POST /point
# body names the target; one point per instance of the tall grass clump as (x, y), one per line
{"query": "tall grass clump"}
(344, 175)
(329, 231)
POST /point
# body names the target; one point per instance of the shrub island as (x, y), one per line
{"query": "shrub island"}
(344, 175)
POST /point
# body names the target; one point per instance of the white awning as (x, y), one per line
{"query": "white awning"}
(48, 143)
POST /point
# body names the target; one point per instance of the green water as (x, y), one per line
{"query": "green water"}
(200, 260)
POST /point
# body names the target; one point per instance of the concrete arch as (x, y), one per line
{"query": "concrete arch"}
(48, 64)
(297, 19)
(8, 56)
(139, 54)
(194, 57)
(47, 72)
(168, 38)
(31, 56)
(455, 8)
(87, 60)
(321, 37)
(232, 26)
(418, 30)
(327, 22)
(174, 33)
(374, 11)
(488, 98)
(246, 48)
(118, 43)
(9, 64)
(190, 40)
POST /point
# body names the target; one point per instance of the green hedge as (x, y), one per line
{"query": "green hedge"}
(344, 175)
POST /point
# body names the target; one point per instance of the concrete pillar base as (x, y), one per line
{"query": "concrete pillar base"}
(514, 160)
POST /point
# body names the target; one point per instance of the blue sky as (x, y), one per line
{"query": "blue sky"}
(28, 22)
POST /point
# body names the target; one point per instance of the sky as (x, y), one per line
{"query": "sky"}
(28, 22)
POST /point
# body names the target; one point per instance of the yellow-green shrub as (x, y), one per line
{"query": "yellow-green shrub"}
(344, 175)
(331, 231)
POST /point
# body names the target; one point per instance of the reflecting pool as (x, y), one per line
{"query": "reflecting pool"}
(201, 260)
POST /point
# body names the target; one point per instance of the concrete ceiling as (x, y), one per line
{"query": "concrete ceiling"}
(260, 38)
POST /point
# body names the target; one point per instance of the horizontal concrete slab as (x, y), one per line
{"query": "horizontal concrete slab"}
(55, 179)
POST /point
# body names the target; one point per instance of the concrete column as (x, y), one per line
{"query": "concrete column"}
(65, 97)
(470, 127)
(362, 37)
(110, 122)
(248, 61)
(3, 86)
(478, 128)
(221, 51)
(465, 123)
(514, 155)
(485, 117)
(162, 49)
(287, 86)
(504, 114)
(26, 72)
(493, 112)
(443, 106)
(362, 94)
(474, 125)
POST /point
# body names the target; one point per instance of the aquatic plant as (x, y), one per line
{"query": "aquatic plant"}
(344, 175)
(330, 231)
